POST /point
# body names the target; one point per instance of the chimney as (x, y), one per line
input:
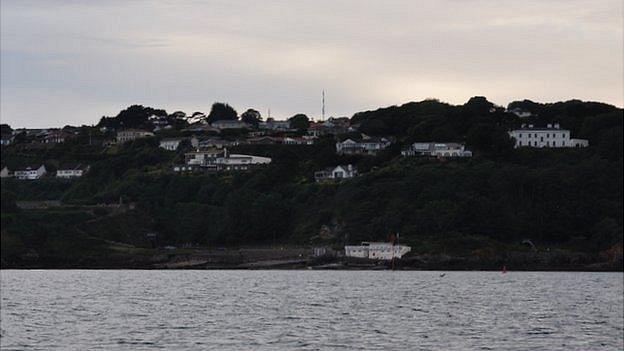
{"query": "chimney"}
(549, 126)
(556, 125)
(530, 126)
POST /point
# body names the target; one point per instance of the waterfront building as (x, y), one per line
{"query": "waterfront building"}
(377, 250)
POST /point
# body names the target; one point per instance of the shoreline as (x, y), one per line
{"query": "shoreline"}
(610, 269)
(301, 258)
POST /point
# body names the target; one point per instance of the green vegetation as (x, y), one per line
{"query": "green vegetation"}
(569, 199)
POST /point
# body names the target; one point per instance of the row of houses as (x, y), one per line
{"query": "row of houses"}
(39, 135)
(34, 172)
(172, 144)
(551, 136)
(372, 146)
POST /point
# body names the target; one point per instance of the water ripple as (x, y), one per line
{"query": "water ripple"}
(310, 310)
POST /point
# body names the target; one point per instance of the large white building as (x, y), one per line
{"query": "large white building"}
(550, 136)
(377, 250)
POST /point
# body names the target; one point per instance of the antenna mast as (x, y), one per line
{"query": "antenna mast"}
(323, 118)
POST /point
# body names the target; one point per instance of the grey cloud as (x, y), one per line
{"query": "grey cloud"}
(86, 58)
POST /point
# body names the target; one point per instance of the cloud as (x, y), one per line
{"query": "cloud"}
(75, 61)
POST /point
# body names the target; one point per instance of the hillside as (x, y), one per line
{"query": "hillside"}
(489, 205)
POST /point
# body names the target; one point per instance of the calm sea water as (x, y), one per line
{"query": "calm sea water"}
(310, 310)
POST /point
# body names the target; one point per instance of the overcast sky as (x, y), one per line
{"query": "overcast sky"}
(70, 62)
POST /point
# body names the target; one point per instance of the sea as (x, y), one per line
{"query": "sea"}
(310, 310)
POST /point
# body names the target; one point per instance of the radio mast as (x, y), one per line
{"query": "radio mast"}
(323, 111)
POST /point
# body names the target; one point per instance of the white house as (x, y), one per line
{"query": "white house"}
(30, 172)
(172, 144)
(5, 173)
(377, 250)
(238, 162)
(202, 157)
(522, 113)
(221, 160)
(272, 124)
(72, 171)
(6, 139)
(230, 124)
(306, 140)
(201, 127)
(366, 146)
(56, 137)
(335, 173)
(550, 137)
(132, 134)
(436, 149)
(215, 142)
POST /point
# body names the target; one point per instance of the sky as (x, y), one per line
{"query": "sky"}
(71, 62)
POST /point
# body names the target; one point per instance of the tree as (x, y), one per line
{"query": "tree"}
(8, 202)
(134, 116)
(5, 128)
(178, 114)
(299, 121)
(221, 111)
(478, 105)
(251, 117)
(489, 139)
